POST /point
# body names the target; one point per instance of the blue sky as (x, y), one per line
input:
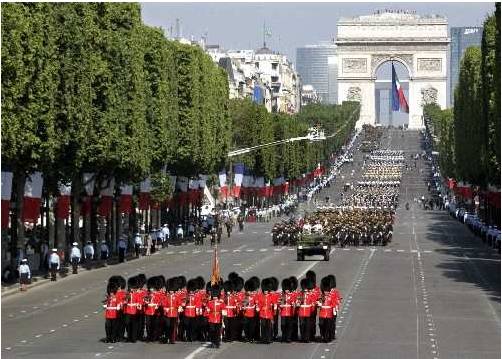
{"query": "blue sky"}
(240, 25)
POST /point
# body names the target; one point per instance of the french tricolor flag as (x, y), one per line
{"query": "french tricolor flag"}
(238, 178)
(399, 102)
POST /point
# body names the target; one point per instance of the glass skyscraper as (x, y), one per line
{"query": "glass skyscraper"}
(314, 68)
(461, 39)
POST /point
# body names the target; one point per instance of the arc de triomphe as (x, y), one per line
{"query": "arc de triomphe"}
(420, 43)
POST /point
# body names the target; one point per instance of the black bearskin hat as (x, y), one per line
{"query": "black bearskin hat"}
(303, 283)
(274, 283)
(293, 283)
(311, 275)
(182, 282)
(325, 284)
(332, 280)
(228, 286)
(232, 276)
(238, 284)
(111, 288)
(286, 284)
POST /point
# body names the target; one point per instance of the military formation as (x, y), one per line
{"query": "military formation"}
(167, 311)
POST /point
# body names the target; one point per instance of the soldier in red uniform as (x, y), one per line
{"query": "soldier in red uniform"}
(266, 310)
(142, 292)
(201, 299)
(170, 308)
(249, 309)
(152, 305)
(306, 307)
(316, 293)
(337, 301)
(286, 310)
(240, 294)
(132, 306)
(326, 310)
(230, 313)
(295, 298)
(214, 309)
(182, 294)
(112, 307)
(190, 310)
(276, 297)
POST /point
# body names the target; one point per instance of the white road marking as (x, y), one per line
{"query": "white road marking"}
(427, 251)
(263, 249)
(183, 252)
(387, 250)
(413, 251)
(249, 250)
(255, 232)
(8, 348)
(277, 249)
(346, 249)
(291, 249)
(168, 252)
(360, 249)
(223, 250)
(236, 250)
(209, 251)
(195, 352)
(400, 250)
(23, 341)
(64, 325)
(38, 335)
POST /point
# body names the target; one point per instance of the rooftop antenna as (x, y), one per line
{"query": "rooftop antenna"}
(179, 33)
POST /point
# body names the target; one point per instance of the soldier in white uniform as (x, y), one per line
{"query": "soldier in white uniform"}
(75, 257)
(105, 251)
(54, 264)
(24, 274)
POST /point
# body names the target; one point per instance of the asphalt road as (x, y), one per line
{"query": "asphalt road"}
(434, 292)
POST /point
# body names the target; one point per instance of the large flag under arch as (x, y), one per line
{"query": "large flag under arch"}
(399, 102)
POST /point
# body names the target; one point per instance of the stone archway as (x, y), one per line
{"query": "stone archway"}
(420, 43)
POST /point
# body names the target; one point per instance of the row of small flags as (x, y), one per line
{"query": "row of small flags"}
(186, 191)
(247, 184)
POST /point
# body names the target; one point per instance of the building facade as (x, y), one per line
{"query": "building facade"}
(461, 39)
(264, 76)
(317, 67)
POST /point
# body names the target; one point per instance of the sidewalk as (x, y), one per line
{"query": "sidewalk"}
(39, 278)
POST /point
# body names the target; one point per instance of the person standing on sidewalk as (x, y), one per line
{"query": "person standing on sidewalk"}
(75, 257)
(105, 251)
(54, 264)
(122, 250)
(88, 252)
(137, 244)
(165, 231)
(24, 274)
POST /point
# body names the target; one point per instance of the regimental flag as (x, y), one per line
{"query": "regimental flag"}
(399, 102)
(215, 272)
(6, 195)
(32, 197)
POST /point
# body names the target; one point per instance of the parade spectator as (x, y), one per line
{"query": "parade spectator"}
(122, 249)
(24, 274)
(88, 252)
(105, 251)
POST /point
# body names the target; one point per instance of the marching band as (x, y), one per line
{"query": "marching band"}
(176, 309)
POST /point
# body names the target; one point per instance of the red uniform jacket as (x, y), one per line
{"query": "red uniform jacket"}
(337, 298)
(214, 310)
(266, 306)
(232, 306)
(121, 296)
(307, 305)
(250, 306)
(287, 306)
(134, 303)
(154, 303)
(327, 305)
(112, 307)
(170, 304)
(192, 304)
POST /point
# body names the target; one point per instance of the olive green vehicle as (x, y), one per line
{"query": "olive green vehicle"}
(312, 245)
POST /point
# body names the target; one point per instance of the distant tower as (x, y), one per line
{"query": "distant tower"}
(178, 29)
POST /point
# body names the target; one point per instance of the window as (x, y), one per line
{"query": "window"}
(274, 65)
(257, 65)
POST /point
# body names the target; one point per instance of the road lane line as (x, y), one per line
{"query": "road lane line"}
(196, 351)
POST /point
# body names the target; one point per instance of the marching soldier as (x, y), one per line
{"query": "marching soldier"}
(131, 311)
(315, 293)
(75, 257)
(305, 311)
(287, 308)
(276, 297)
(295, 298)
(249, 308)
(214, 309)
(190, 310)
(112, 307)
(266, 311)
(152, 303)
(171, 307)
(230, 313)
(326, 311)
(54, 264)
